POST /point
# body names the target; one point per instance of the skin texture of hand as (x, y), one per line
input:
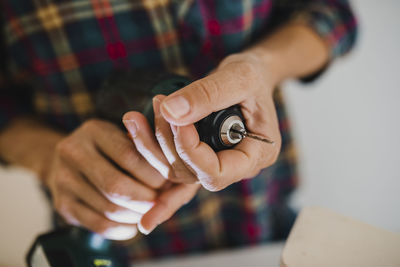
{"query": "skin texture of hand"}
(172, 195)
(166, 205)
(237, 80)
(240, 79)
(91, 180)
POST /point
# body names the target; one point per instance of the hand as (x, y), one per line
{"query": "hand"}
(91, 179)
(172, 196)
(240, 79)
(167, 204)
(191, 161)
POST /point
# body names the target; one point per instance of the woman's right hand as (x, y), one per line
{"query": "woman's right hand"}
(100, 181)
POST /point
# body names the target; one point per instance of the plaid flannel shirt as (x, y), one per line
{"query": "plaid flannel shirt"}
(57, 53)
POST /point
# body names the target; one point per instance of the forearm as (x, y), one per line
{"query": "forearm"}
(28, 143)
(292, 51)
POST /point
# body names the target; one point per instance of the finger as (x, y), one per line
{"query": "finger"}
(76, 185)
(215, 171)
(116, 145)
(146, 143)
(165, 139)
(166, 205)
(202, 97)
(79, 214)
(111, 182)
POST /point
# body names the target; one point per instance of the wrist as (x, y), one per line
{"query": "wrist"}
(270, 63)
(258, 64)
(30, 144)
(292, 51)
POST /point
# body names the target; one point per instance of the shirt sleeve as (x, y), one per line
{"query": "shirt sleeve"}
(334, 21)
(15, 99)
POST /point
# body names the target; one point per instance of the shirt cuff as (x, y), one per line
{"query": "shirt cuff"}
(334, 22)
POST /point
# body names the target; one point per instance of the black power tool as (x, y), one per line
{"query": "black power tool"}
(134, 90)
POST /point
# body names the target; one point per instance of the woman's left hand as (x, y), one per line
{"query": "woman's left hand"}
(240, 79)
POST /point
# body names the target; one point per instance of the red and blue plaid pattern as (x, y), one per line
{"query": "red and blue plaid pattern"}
(57, 54)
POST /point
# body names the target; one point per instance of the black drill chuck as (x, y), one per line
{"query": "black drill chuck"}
(134, 90)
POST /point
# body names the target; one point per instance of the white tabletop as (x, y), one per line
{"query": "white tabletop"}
(265, 255)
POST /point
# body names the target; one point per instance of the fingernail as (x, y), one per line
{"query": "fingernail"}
(177, 106)
(131, 127)
(124, 216)
(136, 205)
(143, 230)
(120, 233)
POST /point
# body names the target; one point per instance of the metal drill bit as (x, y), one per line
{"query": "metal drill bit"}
(244, 134)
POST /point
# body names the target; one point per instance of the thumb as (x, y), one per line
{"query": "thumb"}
(217, 91)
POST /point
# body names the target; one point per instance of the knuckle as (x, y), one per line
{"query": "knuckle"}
(247, 69)
(212, 184)
(62, 205)
(70, 150)
(111, 208)
(243, 65)
(179, 169)
(113, 188)
(182, 173)
(91, 125)
(102, 226)
(129, 156)
(62, 181)
(65, 147)
(63, 178)
(208, 89)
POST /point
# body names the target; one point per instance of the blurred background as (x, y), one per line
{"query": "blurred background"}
(347, 130)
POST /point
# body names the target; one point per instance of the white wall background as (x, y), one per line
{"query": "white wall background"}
(347, 129)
